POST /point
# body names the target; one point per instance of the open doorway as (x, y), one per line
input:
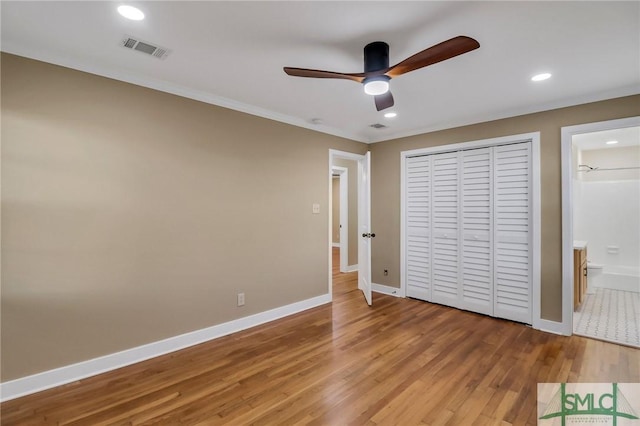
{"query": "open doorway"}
(340, 216)
(344, 243)
(357, 247)
(601, 229)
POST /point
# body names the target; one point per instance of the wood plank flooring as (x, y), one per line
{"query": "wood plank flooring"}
(400, 362)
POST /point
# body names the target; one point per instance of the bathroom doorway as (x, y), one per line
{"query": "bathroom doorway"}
(605, 198)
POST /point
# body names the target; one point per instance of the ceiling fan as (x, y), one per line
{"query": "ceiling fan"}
(377, 71)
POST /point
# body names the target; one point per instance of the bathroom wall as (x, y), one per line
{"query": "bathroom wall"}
(607, 206)
(611, 158)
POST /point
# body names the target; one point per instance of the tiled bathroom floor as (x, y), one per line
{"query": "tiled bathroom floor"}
(610, 315)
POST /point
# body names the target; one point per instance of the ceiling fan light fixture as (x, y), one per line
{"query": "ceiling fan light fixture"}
(377, 71)
(378, 85)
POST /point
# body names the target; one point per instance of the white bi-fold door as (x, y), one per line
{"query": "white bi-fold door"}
(445, 262)
(467, 230)
(476, 215)
(512, 232)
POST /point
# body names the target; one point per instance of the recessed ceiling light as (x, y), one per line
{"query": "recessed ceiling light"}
(611, 142)
(541, 77)
(131, 12)
(390, 114)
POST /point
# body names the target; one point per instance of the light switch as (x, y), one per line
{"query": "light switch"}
(316, 208)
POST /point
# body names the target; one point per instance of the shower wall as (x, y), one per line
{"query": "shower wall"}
(606, 210)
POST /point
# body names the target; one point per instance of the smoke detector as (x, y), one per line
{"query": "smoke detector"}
(145, 47)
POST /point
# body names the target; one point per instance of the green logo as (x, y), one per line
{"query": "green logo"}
(591, 405)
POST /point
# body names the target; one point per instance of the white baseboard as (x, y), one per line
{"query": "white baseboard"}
(385, 289)
(551, 327)
(337, 245)
(70, 373)
(351, 268)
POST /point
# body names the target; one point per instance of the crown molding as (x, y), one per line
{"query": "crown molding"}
(483, 118)
(174, 89)
(209, 98)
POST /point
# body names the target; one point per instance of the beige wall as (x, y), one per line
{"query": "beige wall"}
(335, 206)
(131, 215)
(352, 191)
(385, 181)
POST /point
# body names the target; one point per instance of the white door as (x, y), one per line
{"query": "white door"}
(476, 213)
(444, 229)
(418, 227)
(512, 232)
(468, 221)
(364, 227)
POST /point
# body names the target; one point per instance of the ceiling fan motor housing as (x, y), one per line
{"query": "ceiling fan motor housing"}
(376, 56)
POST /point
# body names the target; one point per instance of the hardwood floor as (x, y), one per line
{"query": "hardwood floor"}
(400, 362)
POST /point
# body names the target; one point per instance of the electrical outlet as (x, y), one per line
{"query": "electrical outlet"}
(240, 299)
(386, 272)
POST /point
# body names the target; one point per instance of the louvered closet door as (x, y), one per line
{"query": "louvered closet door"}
(444, 229)
(417, 237)
(477, 225)
(512, 225)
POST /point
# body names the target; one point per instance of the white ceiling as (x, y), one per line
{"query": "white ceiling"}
(627, 136)
(232, 53)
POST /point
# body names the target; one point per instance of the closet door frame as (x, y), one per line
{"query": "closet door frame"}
(534, 138)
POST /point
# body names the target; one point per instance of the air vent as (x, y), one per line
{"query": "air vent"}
(378, 126)
(145, 47)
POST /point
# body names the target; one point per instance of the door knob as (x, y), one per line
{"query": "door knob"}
(373, 235)
(364, 235)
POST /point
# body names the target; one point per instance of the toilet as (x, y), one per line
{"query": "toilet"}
(594, 274)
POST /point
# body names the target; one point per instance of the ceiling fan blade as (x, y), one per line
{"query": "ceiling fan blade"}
(434, 54)
(303, 72)
(383, 101)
